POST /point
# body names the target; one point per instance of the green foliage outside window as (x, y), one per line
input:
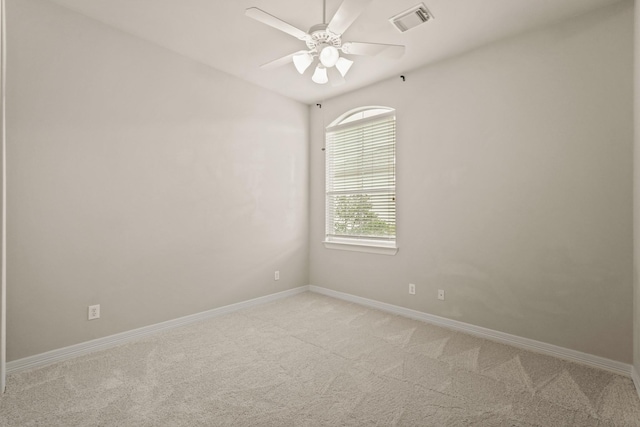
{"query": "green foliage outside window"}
(354, 215)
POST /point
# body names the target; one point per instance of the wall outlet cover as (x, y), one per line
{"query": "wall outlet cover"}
(94, 312)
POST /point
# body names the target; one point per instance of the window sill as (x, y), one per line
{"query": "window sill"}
(362, 246)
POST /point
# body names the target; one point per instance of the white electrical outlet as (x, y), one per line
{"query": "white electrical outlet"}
(441, 294)
(276, 276)
(94, 312)
(412, 289)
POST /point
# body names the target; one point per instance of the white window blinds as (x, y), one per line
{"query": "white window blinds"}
(361, 178)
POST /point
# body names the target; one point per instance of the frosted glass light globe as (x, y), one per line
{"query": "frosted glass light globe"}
(343, 65)
(329, 56)
(302, 61)
(320, 75)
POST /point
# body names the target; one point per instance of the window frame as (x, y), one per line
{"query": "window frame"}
(361, 243)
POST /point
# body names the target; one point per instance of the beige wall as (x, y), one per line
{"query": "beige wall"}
(514, 187)
(3, 289)
(141, 181)
(636, 198)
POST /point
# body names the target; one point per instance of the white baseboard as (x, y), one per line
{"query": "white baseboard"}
(636, 379)
(72, 351)
(502, 337)
(66, 353)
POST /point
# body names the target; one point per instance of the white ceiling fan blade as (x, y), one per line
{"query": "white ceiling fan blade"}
(335, 78)
(277, 23)
(281, 61)
(393, 51)
(347, 13)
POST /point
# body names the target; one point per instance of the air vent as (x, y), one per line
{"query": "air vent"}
(411, 18)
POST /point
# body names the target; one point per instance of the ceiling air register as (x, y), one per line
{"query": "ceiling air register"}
(411, 18)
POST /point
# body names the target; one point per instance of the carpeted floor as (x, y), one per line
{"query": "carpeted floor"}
(310, 360)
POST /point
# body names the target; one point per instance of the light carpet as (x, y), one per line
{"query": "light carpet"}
(311, 360)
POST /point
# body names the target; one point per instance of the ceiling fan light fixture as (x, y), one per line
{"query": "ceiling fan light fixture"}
(302, 61)
(320, 75)
(324, 43)
(343, 65)
(329, 55)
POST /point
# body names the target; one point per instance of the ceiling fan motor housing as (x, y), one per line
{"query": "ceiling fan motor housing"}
(319, 35)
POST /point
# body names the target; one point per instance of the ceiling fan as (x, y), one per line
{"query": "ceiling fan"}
(324, 42)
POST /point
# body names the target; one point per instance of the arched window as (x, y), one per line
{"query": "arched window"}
(361, 181)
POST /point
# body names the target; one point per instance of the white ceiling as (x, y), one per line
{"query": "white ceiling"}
(217, 33)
